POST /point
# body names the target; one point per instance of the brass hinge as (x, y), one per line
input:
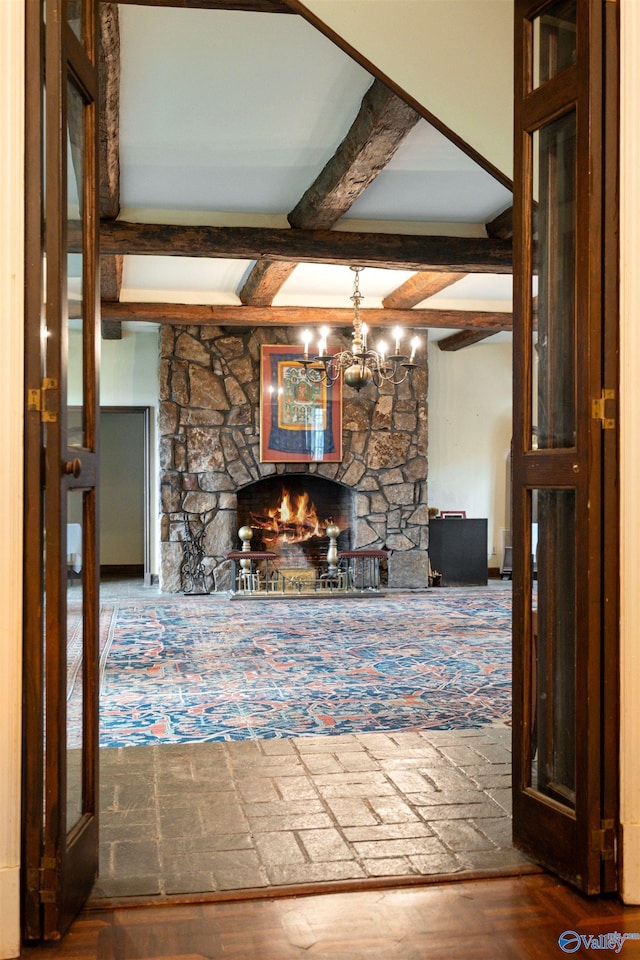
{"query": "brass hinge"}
(37, 400)
(598, 409)
(47, 890)
(603, 840)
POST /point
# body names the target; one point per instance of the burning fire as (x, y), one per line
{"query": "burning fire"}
(290, 522)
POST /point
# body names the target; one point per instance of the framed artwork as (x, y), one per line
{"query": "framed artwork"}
(453, 514)
(300, 415)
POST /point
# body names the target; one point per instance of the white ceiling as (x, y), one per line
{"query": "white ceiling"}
(228, 117)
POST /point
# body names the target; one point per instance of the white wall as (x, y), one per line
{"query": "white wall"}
(455, 57)
(129, 377)
(470, 434)
(630, 449)
(11, 415)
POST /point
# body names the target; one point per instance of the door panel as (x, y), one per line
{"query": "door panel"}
(61, 630)
(564, 648)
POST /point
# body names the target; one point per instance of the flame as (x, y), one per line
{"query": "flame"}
(293, 520)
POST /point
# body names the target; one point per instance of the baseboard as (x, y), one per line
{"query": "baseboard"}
(630, 885)
(122, 570)
(494, 573)
(10, 900)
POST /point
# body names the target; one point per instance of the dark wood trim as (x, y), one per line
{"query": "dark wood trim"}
(249, 6)
(611, 439)
(190, 313)
(33, 622)
(396, 251)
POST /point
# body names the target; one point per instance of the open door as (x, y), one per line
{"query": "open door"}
(61, 556)
(564, 451)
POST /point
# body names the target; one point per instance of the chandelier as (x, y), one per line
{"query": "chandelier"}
(360, 365)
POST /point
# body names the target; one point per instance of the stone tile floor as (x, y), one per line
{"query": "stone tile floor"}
(225, 816)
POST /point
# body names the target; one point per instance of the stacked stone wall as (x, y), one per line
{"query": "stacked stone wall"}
(210, 447)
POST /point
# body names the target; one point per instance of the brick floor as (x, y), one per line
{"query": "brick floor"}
(224, 816)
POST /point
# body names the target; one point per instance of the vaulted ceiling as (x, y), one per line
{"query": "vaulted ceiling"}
(247, 161)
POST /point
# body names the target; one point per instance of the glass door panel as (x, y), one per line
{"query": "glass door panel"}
(554, 40)
(553, 679)
(75, 259)
(75, 659)
(554, 231)
(75, 17)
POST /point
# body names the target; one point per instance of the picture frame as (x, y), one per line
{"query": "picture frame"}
(453, 514)
(300, 413)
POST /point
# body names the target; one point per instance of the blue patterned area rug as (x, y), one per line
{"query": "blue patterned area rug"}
(198, 669)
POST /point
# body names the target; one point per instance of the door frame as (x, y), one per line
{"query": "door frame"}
(11, 391)
(569, 827)
(12, 95)
(629, 453)
(145, 413)
(60, 853)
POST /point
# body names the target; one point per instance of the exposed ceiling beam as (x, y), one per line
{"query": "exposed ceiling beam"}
(265, 280)
(419, 287)
(109, 156)
(464, 339)
(109, 73)
(382, 123)
(111, 277)
(501, 227)
(395, 251)
(242, 316)
(250, 6)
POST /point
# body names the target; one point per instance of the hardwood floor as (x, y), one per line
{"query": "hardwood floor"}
(518, 918)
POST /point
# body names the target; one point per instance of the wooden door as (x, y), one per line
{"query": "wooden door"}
(564, 452)
(61, 573)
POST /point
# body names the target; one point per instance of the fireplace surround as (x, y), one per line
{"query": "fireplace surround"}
(210, 460)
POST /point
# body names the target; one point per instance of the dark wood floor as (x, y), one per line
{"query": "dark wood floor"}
(504, 919)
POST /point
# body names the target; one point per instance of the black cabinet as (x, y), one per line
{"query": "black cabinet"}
(458, 550)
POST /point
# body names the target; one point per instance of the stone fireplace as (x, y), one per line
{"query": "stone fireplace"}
(210, 459)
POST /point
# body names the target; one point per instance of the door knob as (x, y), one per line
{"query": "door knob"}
(73, 467)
